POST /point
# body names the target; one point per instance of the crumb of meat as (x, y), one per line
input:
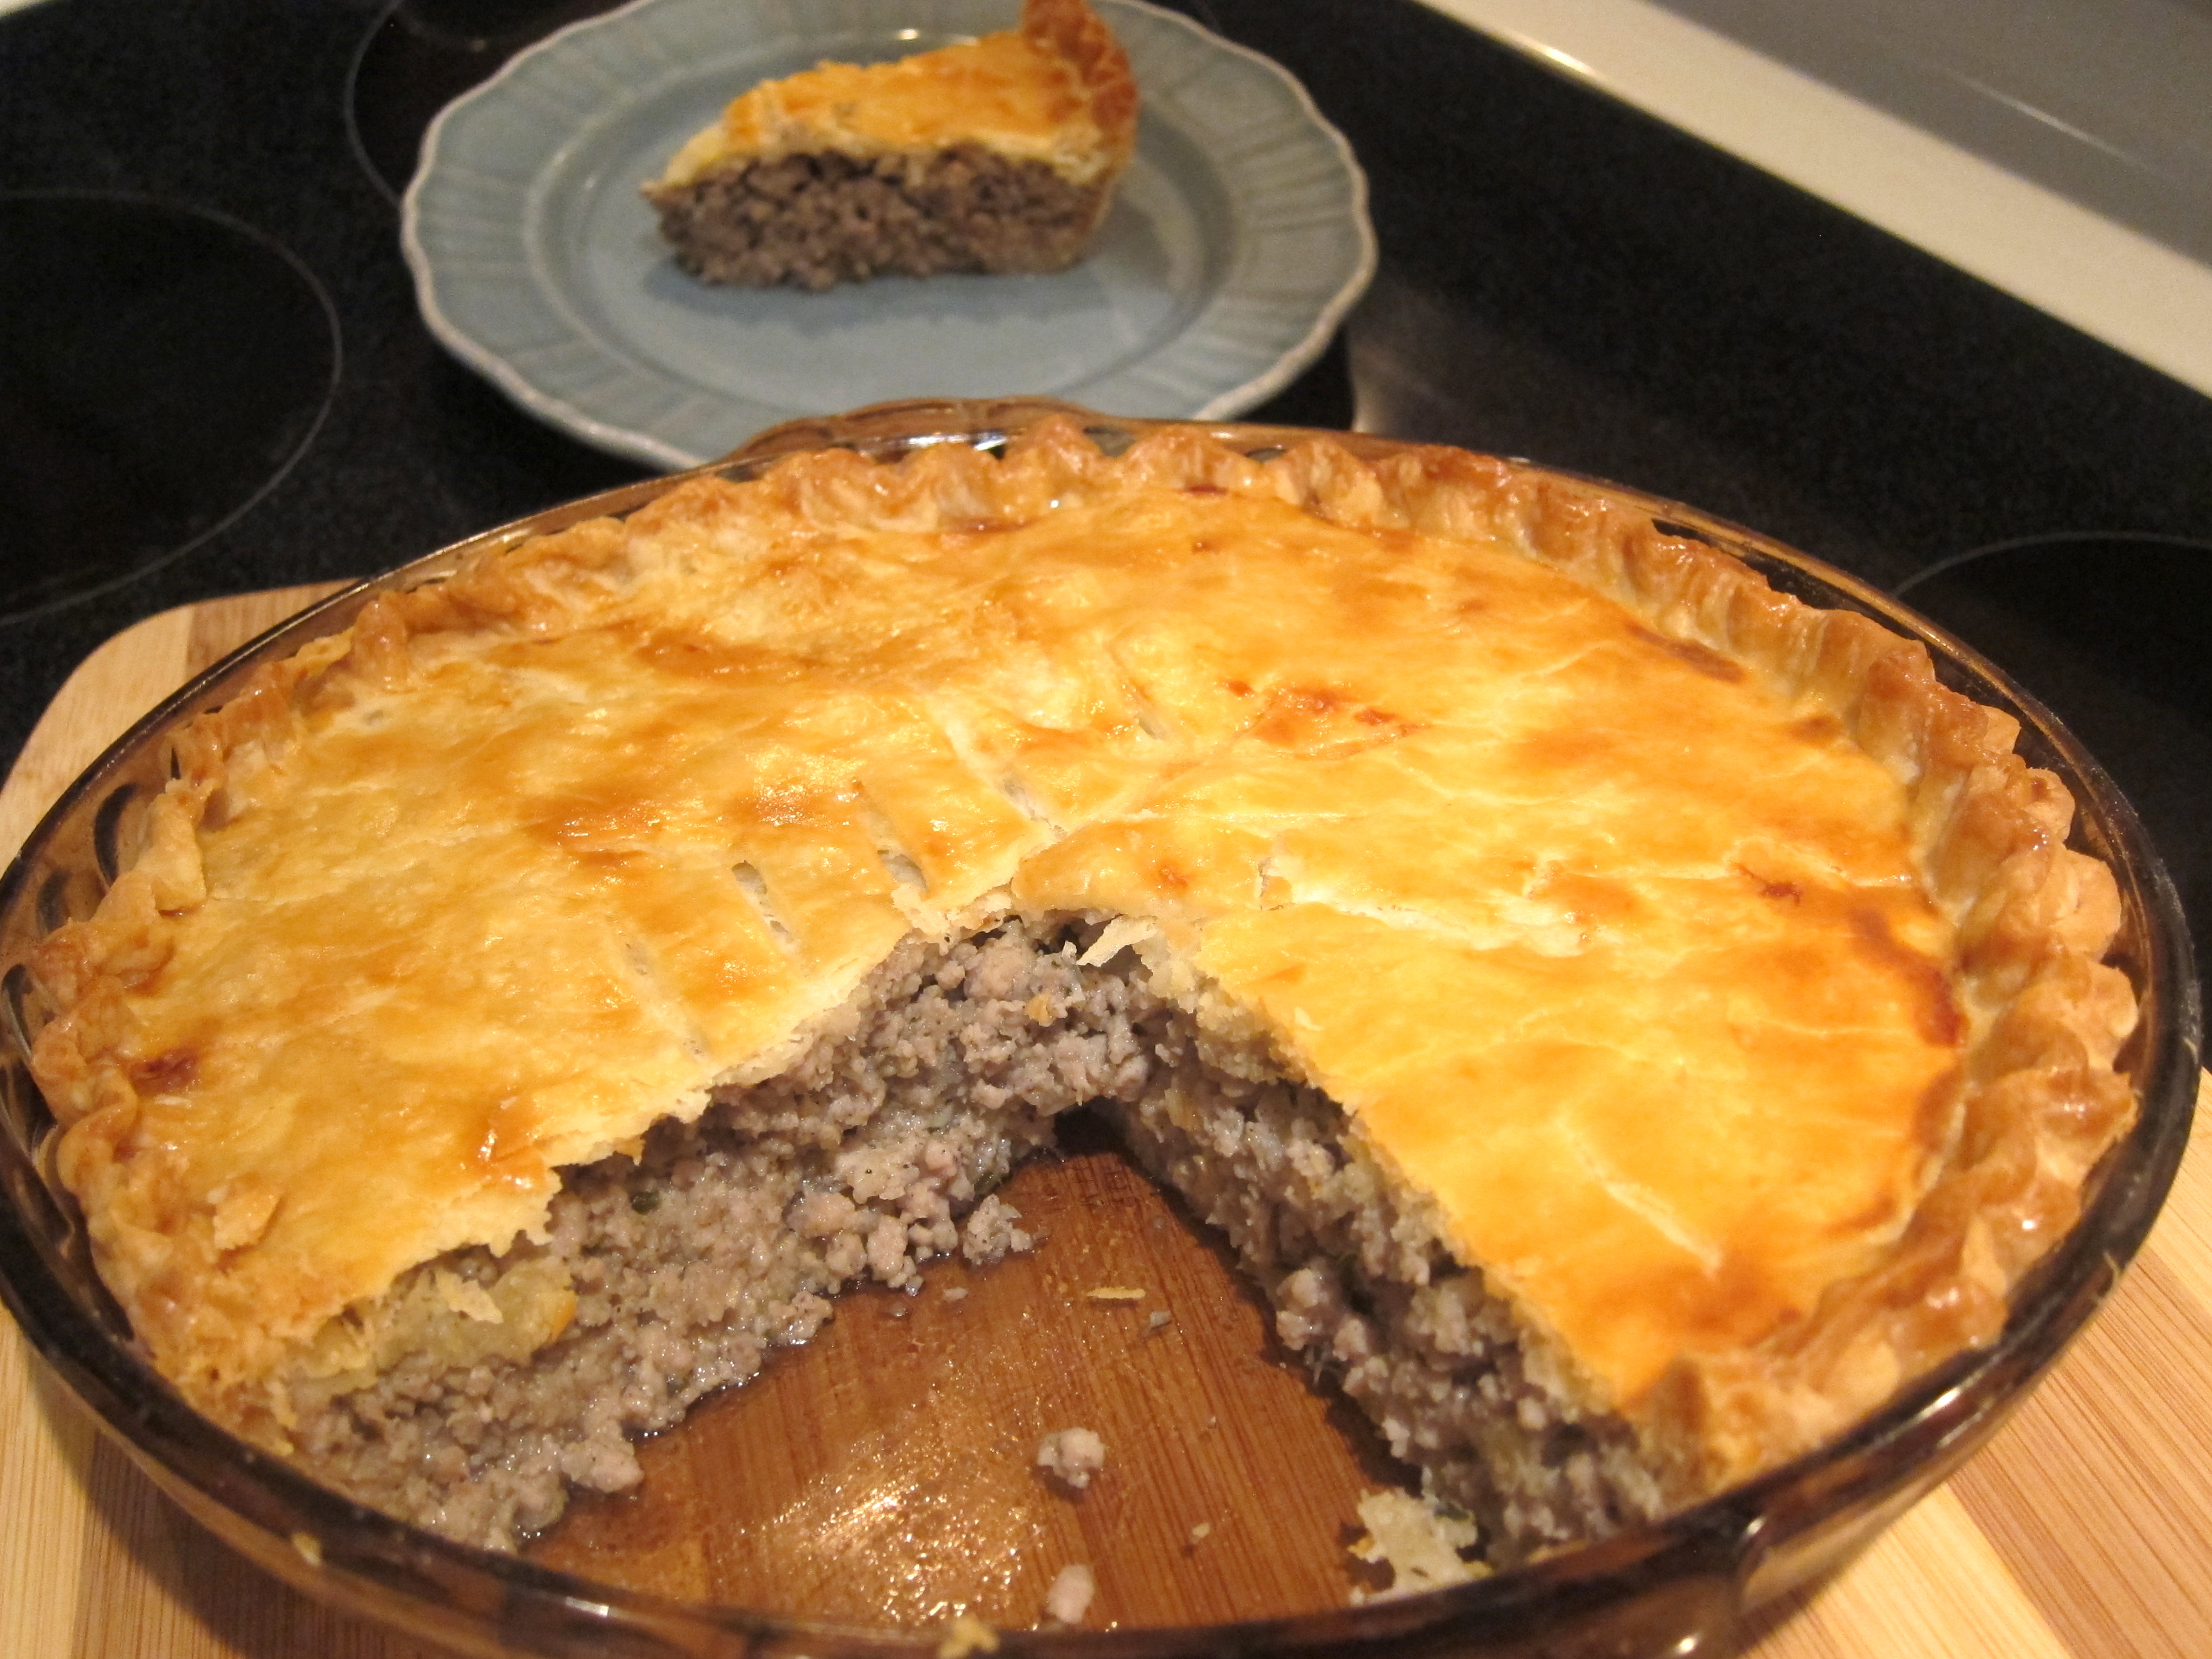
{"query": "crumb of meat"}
(1071, 1455)
(1156, 1321)
(1069, 1598)
(990, 1234)
(1419, 1544)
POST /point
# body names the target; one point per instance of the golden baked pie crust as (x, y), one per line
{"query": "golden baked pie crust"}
(1135, 777)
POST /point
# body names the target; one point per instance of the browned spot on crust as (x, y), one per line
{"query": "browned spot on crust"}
(1568, 749)
(1879, 1212)
(787, 805)
(1587, 898)
(1937, 1016)
(1706, 660)
(1785, 892)
(1735, 1302)
(1296, 714)
(1237, 688)
(1320, 720)
(1204, 490)
(1817, 728)
(165, 1073)
(1938, 1105)
(692, 656)
(584, 823)
(1170, 878)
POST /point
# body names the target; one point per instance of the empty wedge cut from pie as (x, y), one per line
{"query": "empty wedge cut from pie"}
(995, 154)
(1625, 1020)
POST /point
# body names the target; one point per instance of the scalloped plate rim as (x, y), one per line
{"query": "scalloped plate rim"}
(561, 407)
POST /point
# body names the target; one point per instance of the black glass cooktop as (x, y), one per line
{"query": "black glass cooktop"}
(422, 54)
(160, 367)
(2109, 632)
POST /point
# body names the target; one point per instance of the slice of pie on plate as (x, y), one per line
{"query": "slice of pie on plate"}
(996, 155)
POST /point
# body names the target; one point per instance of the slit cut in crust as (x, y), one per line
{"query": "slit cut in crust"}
(1625, 1020)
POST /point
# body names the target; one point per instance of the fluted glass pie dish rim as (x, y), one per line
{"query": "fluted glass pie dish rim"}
(1690, 1577)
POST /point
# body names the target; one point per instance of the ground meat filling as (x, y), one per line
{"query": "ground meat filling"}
(1365, 1292)
(876, 1152)
(813, 221)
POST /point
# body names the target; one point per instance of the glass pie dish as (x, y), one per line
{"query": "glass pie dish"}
(1683, 1584)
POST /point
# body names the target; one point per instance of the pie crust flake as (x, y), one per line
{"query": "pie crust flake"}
(995, 154)
(1627, 1021)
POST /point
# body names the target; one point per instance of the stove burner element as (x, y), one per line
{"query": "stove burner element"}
(160, 369)
(421, 55)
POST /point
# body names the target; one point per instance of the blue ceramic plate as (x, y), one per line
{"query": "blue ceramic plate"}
(1239, 239)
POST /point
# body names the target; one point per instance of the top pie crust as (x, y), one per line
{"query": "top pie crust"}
(1724, 980)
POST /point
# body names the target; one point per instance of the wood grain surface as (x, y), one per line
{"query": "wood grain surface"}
(894, 1453)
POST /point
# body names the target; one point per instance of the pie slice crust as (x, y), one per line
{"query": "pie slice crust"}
(995, 154)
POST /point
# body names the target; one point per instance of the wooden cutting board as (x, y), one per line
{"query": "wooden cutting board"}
(2084, 1531)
